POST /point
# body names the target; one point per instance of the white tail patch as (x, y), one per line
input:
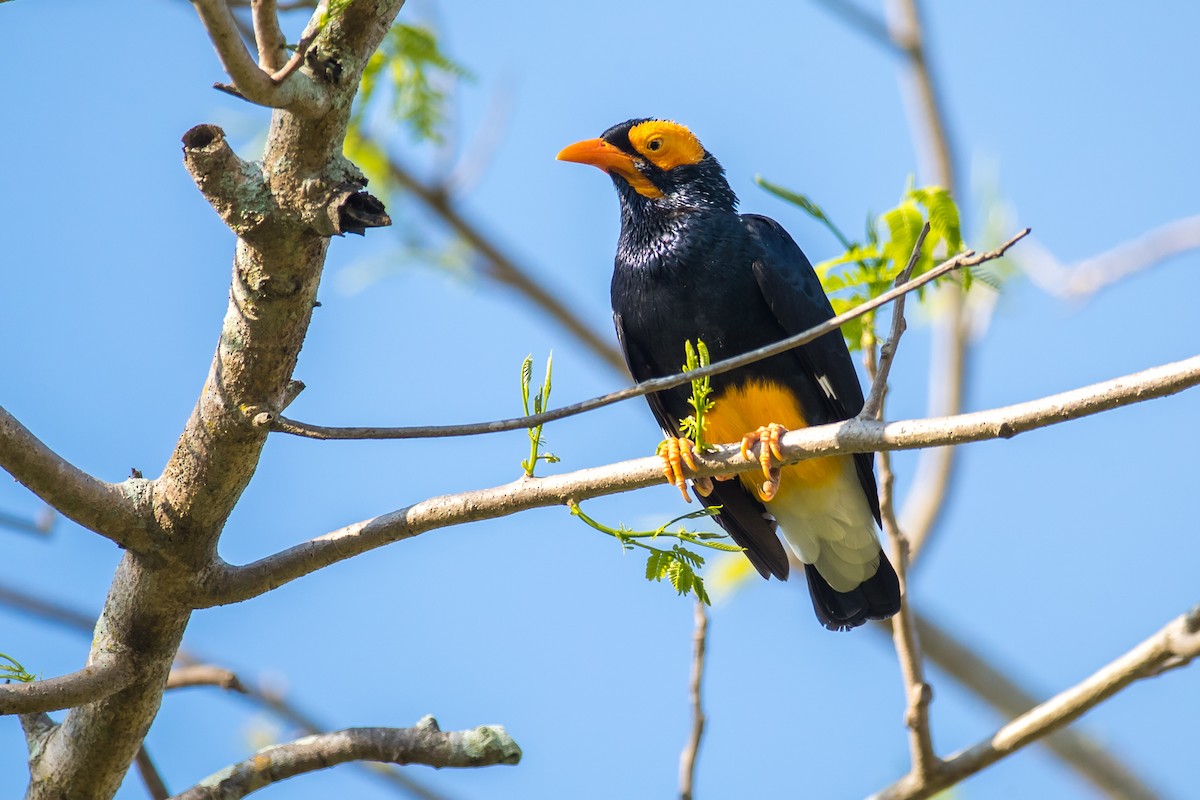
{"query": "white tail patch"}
(830, 527)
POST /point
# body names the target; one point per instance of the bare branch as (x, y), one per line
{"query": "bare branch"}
(272, 45)
(863, 21)
(501, 267)
(299, 93)
(46, 609)
(149, 774)
(1089, 758)
(1176, 645)
(229, 584)
(965, 259)
(276, 271)
(41, 525)
(425, 743)
(687, 759)
(927, 120)
(918, 693)
(191, 672)
(106, 676)
(188, 675)
(873, 406)
(115, 511)
(1084, 278)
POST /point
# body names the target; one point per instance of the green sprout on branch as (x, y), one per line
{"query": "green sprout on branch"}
(541, 402)
(868, 269)
(13, 671)
(694, 426)
(678, 564)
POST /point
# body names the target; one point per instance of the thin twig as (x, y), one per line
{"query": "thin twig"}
(187, 675)
(927, 119)
(230, 584)
(42, 524)
(873, 407)
(687, 759)
(42, 608)
(150, 776)
(918, 693)
(272, 44)
(1102, 768)
(1175, 645)
(293, 64)
(968, 258)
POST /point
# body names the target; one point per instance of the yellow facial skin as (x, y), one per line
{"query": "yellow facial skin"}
(664, 144)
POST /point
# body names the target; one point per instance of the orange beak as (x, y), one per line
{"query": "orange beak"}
(612, 160)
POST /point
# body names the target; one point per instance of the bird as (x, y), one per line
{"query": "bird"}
(689, 266)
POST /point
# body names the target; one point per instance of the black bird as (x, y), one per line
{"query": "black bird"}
(689, 266)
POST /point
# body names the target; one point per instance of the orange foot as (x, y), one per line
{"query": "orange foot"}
(679, 456)
(767, 439)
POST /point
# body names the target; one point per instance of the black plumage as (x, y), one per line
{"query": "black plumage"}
(688, 266)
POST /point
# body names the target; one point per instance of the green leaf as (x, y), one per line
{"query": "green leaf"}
(806, 205)
(656, 565)
(681, 576)
(682, 554)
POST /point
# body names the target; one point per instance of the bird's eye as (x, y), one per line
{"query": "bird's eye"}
(654, 144)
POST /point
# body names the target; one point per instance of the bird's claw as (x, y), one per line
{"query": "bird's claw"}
(767, 438)
(679, 456)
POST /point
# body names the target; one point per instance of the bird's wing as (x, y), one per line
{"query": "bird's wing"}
(794, 294)
(742, 516)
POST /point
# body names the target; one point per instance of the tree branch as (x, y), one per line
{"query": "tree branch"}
(150, 775)
(1084, 278)
(965, 259)
(873, 405)
(927, 120)
(687, 759)
(276, 270)
(188, 675)
(918, 693)
(1086, 756)
(1174, 646)
(47, 609)
(224, 583)
(425, 743)
(115, 511)
(272, 44)
(295, 91)
(183, 675)
(106, 676)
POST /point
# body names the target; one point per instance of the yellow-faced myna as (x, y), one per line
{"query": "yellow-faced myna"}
(688, 266)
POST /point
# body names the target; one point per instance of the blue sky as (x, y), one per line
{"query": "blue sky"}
(1060, 549)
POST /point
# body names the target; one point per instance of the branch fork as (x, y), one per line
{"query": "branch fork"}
(267, 82)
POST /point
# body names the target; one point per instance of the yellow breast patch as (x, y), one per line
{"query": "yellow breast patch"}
(745, 408)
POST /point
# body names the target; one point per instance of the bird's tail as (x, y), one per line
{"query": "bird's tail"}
(878, 597)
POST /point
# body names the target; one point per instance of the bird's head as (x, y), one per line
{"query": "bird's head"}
(657, 163)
